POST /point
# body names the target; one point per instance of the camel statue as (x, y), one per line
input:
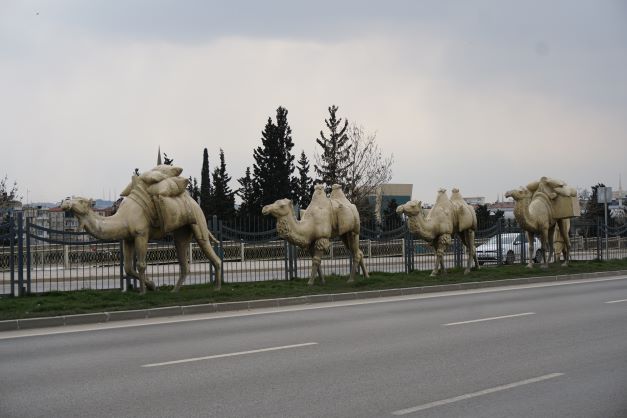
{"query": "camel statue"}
(143, 216)
(446, 218)
(324, 219)
(541, 207)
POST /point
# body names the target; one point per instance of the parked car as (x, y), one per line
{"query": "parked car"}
(511, 248)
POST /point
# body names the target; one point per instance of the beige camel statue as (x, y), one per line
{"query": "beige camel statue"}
(446, 218)
(324, 219)
(533, 213)
(541, 207)
(141, 217)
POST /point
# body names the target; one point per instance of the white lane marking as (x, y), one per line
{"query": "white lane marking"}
(489, 319)
(475, 394)
(69, 329)
(617, 301)
(240, 353)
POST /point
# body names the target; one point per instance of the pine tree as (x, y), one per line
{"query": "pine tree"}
(205, 186)
(304, 187)
(333, 164)
(274, 163)
(247, 193)
(193, 189)
(223, 197)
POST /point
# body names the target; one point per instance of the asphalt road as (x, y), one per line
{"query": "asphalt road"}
(549, 350)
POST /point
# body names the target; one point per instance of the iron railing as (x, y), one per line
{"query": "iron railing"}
(35, 259)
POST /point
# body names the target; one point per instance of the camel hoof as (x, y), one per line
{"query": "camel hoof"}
(217, 288)
(310, 283)
(350, 281)
(434, 274)
(544, 266)
(175, 290)
(529, 266)
(466, 271)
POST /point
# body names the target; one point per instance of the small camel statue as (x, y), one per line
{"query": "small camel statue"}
(446, 218)
(136, 222)
(324, 219)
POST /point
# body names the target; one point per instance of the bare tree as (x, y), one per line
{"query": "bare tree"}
(369, 167)
(8, 192)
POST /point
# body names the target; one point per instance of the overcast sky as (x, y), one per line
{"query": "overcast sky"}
(480, 95)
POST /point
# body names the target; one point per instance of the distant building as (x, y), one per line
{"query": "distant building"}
(506, 207)
(401, 193)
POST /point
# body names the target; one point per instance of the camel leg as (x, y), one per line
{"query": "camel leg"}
(316, 258)
(544, 239)
(129, 256)
(551, 243)
(141, 248)
(563, 228)
(531, 251)
(352, 243)
(468, 239)
(182, 238)
(360, 257)
(205, 245)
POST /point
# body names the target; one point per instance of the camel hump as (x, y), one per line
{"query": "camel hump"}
(160, 173)
(442, 198)
(171, 186)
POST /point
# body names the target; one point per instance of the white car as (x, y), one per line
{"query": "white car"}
(511, 248)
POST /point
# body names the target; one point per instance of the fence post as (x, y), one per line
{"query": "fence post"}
(599, 250)
(28, 255)
(20, 254)
(66, 256)
(499, 242)
(191, 253)
(12, 253)
(457, 248)
(121, 245)
(369, 248)
(523, 248)
(242, 250)
(286, 248)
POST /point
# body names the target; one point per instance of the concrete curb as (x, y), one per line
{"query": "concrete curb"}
(170, 311)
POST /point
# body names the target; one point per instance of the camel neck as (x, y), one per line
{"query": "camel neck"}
(291, 230)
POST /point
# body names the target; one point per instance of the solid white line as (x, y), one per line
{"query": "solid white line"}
(489, 319)
(240, 353)
(617, 301)
(475, 394)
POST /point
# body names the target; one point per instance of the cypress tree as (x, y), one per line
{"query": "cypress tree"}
(333, 164)
(205, 186)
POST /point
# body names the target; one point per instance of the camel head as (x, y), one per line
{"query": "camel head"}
(278, 209)
(518, 194)
(411, 208)
(77, 205)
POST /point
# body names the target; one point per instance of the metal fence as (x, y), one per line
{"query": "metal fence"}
(34, 259)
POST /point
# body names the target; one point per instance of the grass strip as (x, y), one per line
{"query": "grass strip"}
(89, 301)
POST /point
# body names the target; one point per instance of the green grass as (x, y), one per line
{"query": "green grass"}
(86, 301)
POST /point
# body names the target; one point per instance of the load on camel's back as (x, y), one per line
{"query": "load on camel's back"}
(155, 203)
